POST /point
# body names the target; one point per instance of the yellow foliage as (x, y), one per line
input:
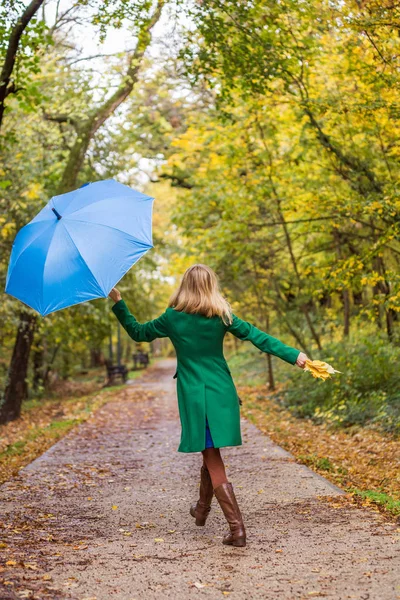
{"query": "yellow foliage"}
(33, 192)
(8, 231)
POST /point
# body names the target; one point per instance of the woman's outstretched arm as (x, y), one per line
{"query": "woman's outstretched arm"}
(140, 332)
(266, 343)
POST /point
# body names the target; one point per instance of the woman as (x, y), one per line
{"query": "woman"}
(196, 321)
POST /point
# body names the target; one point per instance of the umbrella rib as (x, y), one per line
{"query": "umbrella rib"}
(115, 229)
(79, 252)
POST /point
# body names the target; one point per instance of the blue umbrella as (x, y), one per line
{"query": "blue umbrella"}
(79, 246)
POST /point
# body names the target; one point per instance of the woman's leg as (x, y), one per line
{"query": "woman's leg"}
(225, 495)
(213, 461)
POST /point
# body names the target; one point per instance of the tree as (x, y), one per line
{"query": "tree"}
(85, 130)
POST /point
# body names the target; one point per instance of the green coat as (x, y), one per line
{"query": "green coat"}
(204, 383)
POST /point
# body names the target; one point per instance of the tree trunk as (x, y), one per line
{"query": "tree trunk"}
(38, 367)
(384, 288)
(271, 380)
(390, 317)
(96, 358)
(66, 365)
(50, 364)
(346, 308)
(17, 388)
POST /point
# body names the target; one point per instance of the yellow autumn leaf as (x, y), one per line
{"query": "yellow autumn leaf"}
(114, 507)
(320, 369)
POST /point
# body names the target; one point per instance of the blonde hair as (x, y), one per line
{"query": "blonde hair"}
(199, 292)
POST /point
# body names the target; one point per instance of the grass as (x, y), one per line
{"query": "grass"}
(379, 498)
(319, 463)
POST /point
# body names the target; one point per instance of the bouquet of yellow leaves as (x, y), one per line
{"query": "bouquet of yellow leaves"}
(320, 369)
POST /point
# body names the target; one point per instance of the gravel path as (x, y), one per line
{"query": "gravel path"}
(104, 515)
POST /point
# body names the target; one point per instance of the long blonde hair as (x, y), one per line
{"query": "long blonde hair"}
(199, 292)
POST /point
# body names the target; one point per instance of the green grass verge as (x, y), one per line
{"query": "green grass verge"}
(380, 498)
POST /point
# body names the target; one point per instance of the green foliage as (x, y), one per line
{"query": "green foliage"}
(366, 393)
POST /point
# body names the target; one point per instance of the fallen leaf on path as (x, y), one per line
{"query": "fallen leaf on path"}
(114, 507)
(25, 593)
(158, 539)
(199, 585)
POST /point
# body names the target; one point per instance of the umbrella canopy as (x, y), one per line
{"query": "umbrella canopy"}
(79, 246)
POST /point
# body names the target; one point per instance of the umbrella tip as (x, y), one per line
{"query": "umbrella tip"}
(57, 214)
(85, 184)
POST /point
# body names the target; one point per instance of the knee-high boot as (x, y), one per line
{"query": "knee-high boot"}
(225, 495)
(201, 509)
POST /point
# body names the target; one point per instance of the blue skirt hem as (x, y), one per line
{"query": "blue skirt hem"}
(209, 440)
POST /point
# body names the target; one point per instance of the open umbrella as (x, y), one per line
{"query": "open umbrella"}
(79, 246)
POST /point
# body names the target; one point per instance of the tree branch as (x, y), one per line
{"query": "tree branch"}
(354, 164)
(12, 49)
(62, 119)
(88, 129)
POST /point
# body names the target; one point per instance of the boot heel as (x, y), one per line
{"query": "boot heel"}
(239, 543)
(200, 521)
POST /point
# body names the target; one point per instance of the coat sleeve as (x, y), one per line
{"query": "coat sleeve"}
(140, 332)
(264, 342)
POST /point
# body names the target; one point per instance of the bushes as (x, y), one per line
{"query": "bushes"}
(367, 391)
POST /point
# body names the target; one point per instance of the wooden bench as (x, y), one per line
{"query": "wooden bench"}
(141, 360)
(115, 371)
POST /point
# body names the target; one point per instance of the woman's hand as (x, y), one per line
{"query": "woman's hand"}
(115, 295)
(301, 360)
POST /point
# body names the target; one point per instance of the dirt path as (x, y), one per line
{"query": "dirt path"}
(104, 515)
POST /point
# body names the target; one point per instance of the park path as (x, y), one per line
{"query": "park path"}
(104, 515)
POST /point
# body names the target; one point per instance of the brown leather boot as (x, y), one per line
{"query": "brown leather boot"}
(201, 509)
(225, 495)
